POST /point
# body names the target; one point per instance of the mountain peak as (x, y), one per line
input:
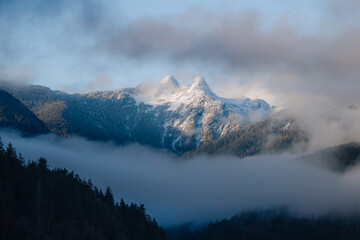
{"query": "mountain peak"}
(200, 79)
(200, 84)
(170, 81)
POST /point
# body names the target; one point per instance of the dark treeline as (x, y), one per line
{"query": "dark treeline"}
(270, 225)
(39, 203)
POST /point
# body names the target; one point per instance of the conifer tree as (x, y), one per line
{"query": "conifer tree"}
(11, 151)
(109, 198)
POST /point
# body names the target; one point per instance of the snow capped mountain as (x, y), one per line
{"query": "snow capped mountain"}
(169, 93)
(164, 114)
(190, 115)
(200, 86)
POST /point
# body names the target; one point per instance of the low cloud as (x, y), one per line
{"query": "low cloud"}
(332, 126)
(99, 83)
(23, 75)
(202, 188)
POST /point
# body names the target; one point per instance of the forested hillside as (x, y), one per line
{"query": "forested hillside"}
(269, 135)
(274, 224)
(39, 203)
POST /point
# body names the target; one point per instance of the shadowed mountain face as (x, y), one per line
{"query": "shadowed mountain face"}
(13, 114)
(164, 115)
(339, 158)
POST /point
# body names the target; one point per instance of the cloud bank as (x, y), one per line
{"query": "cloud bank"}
(89, 39)
(202, 188)
(282, 59)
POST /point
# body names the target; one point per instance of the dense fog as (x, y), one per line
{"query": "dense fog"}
(202, 188)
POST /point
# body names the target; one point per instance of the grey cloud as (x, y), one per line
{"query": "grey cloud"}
(90, 37)
(240, 43)
(322, 62)
(147, 38)
(342, 11)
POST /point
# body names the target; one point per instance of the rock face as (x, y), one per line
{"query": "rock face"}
(163, 115)
(13, 114)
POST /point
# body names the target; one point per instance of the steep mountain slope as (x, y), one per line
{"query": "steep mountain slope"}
(163, 115)
(13, 114)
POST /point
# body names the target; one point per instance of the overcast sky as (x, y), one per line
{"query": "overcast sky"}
(278, 50)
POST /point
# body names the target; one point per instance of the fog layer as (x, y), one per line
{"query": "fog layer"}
(200, 189)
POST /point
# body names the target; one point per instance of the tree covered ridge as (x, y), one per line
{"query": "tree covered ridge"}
(273, 224)
(39, 203)
(338, 158)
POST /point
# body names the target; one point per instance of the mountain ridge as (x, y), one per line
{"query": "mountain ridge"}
(162, 115)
